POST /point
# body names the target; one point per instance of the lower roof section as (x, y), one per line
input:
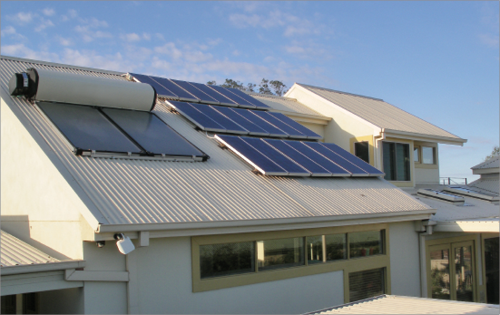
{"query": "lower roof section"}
(395, 304)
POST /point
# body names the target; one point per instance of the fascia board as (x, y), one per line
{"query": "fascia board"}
(490, 170)
(345, 111)
(63, 265)
(422, 137)
(468, 226)
(106, 232)
(93, 215)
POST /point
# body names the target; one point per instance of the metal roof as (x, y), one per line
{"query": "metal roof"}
(222, 189)
(472, 209)
(494, 162)
(395, 304)
(381, 114)
(15, 252)
(486, 185)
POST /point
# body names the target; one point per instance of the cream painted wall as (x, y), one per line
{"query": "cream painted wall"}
(343, 126)
(37, 203)
(426, 175)
(405, 266)
(164, 286)
(319, 129)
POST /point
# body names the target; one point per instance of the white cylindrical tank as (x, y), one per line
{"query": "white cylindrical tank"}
(62, 87)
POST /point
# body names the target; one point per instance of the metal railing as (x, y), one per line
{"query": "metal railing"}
(453, 181)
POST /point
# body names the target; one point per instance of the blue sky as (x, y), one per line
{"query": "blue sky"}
(436, 60)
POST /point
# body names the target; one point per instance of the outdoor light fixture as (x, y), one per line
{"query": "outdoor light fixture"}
(124, 244)
(100, 244)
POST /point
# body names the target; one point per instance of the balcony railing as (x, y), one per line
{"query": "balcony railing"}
(452, 181)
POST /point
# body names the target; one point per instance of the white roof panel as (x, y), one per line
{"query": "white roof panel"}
(15, 252)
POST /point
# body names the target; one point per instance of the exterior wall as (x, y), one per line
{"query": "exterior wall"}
(426, 175)
(164, 285)
(317, 128)
(405, 259)
(343, 126)
(38, 205)
(69, 301)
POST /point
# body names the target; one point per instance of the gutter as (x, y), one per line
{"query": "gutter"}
(63, 265)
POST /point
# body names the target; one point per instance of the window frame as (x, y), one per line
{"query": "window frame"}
(346, 265)
(434, 159)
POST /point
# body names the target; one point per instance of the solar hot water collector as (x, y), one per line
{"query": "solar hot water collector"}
(104, 117)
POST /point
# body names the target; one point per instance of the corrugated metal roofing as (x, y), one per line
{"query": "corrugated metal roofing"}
(286, 104)
(394, 304)
(486, 185)
(472, 209)
(380, 113)
(15, 252)
(494, 162)
(222, 189)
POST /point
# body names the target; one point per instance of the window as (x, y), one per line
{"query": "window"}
(361, 151)
(491, 269)
(366, 284)
(225, 261)
(416, 154)
(428, 155)
(440, 273)
(396, 161)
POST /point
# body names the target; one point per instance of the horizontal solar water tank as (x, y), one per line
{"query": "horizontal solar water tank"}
(71, 88)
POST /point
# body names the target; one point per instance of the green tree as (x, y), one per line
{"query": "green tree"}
(278, 87)
(495, 152)
(267, 87)
(230, 83)
(264, 87)
(212, 82)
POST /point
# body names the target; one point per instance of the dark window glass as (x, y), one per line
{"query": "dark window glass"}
(314, 249)
(9, 304)
(464, 280)
(226, 259)
(336, 247)
(440, 274)
(491, 264)
(280, 253)
(363, 244)
(366, 284)
(396, 161)
(361, 151)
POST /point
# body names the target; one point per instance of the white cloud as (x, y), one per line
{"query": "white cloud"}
(169, 49)
(23, 17)
(146, 36)
(236, 52)
(9, 30)
(489, 40)
(48, 12)
(159, 36)
(64, 41)
(131, 37)
(20, 50)
(89, 35)
(43, 25)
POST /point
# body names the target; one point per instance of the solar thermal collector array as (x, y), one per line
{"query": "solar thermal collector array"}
(199, 93)
(276, 157)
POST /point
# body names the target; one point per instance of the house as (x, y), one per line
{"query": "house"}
(212, 226)
(465, 225)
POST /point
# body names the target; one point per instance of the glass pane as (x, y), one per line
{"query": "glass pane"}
(389, 169)
(226, 259)
(365, 284)
(314, 248)
(363, 244)
(491, 264)
(440, 274)
(361, 151)
(416, 154)
(336, 247)
(281, 253)
(464, 281)
(403, 162)
(427, 155)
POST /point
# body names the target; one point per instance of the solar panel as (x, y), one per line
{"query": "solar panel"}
(292, 168)
(180, 92)
(195, 116)
(87, 129)
(251, 155)
(272, 130)
(226, 123)
(214, 94)
(238, 100)
(292, 132)
(258, 104)
(191, 89)
(160, 89)
(152, 134)
(372, 171)
(333, 168)
(232, 113)
(337, 159)
(314, 168)
(292, 123)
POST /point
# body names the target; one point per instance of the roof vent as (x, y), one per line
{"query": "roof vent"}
(457, 200)
(70, 88)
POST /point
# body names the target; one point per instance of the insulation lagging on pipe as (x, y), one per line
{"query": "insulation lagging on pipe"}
(62, 87)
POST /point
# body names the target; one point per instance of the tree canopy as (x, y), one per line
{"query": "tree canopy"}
(495, 152)
(266, 87)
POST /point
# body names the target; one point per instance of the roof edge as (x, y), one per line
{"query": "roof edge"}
(53, 266)
(441, 139)
(341, 92)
